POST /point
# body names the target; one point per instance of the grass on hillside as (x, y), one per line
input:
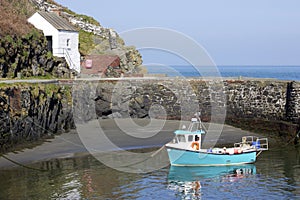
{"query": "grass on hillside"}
(14, 15)
(86, 42)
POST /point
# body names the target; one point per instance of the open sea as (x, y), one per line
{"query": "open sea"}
(274, 72)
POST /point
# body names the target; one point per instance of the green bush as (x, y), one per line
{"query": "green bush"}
(86, 42)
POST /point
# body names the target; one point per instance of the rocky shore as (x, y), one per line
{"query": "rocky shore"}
(29, 112)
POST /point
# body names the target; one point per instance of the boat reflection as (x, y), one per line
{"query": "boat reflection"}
(186, 181)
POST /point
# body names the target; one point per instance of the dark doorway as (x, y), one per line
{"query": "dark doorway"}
(49, 44)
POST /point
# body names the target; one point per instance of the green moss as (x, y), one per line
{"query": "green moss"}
(44, 77)
(34, 34)
(68, 94)
(49, 55)
(62, 92)
(86, 42)
(25, 54)
(3, 85)
(9, 39)
(2, 51)
(49, 89)
(35, 91)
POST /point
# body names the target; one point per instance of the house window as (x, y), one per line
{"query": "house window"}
(68, 43)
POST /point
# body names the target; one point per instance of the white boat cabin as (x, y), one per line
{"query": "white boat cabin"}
(190, 138)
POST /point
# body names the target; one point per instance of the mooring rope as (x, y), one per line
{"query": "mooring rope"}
(22, 165)
(294, 139)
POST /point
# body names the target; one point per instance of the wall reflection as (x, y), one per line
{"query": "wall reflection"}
(74, 178)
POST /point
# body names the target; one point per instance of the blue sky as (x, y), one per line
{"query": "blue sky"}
(233, 32)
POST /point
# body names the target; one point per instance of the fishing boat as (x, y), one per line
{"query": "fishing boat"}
(186, 148)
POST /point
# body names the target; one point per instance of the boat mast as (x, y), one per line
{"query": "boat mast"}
(198, 123)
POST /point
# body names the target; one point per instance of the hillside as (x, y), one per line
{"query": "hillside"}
(97, 40)
(23, 49)
(19, 41)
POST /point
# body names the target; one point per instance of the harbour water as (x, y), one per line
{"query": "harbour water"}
(274, 72)
(275, 175)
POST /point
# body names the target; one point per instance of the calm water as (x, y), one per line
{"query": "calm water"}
(276, 175)
(277, 72)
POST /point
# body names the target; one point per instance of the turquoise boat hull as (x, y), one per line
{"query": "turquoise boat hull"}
(180, 157)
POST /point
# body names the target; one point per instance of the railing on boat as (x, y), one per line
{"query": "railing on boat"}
(253, 142)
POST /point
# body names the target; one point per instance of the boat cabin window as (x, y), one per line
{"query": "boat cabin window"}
(190, 138)
(181, 138)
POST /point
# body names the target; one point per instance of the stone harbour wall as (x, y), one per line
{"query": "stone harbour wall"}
(256, 99)
(241, 98)
(31, 111)
(293, 102)
(264, 106)
(268, 106)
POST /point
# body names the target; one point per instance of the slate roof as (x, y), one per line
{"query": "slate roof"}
(57, 22)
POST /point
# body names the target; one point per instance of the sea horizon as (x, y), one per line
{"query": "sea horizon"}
(281, 72)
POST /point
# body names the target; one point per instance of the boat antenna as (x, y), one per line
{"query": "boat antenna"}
(198, 115)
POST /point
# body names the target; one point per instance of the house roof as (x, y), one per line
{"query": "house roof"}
(57, 22)
(97, 64)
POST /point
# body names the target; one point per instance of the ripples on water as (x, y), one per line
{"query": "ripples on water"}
(276, 175)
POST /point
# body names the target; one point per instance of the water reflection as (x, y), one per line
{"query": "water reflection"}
(187, 181)
(74, 178)
(276, 175)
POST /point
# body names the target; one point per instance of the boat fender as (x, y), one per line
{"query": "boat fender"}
(230, 151)
(224, 150)
(195, 145)
(236, 151)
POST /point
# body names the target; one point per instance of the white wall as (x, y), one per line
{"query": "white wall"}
(59, 41)
(40, 23)
(70, 48)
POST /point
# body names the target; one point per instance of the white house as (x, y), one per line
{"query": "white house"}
(62, 37)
